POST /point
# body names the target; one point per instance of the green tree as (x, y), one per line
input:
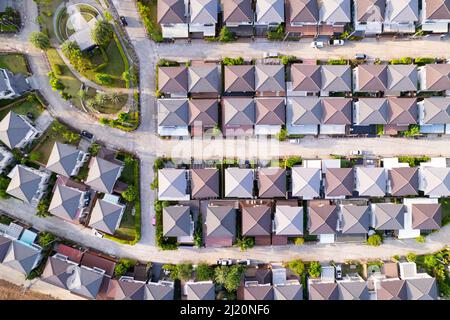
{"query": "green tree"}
(103, 78)
(55, 83)
(104, 121)
(130, 194)
(204, 272)
(233, 279)
(374, 240)
(102, 33)
(281, 136)
(94, 149)
(430, 261)
(245, 243)
(82, 94)
(292, 161)
(123, 266)
(108, 16)
(40, 40)
(226, 35)
(35, 155)
(42, 208)
(411, 257)
(70, 137)
(77, 58)
(128, 76)
(220, 274)
(123, 117)
(185, 271)
(115, 98)
(314, 269)
(297, 266)
(45, 239)
(4, 183)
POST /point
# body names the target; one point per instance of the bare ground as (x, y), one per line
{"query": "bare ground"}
(10, 291)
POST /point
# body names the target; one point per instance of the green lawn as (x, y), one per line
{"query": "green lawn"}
(445, 211)
(23, 107)
(15, 63)
(47, 9)
(126, 230)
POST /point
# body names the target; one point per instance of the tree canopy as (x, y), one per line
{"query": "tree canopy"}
(40, 40)
(102, 33)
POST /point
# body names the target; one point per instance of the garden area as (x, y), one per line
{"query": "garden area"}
(10, 21)
(29, 105)
(148, 11)
(445, 202)
(14, 62)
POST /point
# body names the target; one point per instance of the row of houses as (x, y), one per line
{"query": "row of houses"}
(203, 18)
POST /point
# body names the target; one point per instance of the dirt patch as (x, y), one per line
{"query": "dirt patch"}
(10, 291)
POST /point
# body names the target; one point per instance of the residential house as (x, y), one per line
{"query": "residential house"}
(257, 284)
(303, 115)
(173, 184)
(220, 225)
(370, 182)
(205, 183)
(259, 292)
(402, 112)
(238, 116)
(12, 85)
(177, 222)
(17, 131)
(203, 114)
(322, 221)
(434, 77)
(336, 115)
(306, 80)
(201, 290)
(401, 16)
(238, 17)
(19, 254)
(388, 217)
(286, 285)
(257, 222)
(353, 287)
(288, 221)
(369, 16)
(203, 18)
(239, 78)
(334, 15)
(435, 15)
(401, 78)
(204, 80)
(67, 202)
(434, 181)
(107, 214)
(325, 287)
(82, 27)
(28, 184)
(339, 183)
(302, 17)
(403, 181)
(370, 78)
(271, 183)
(270, 80)
(422, 215)
(270, 115)
(66, 160)
(335, 78)
(103, 174)
(434, 115)
(161, 290)
(6, 158)
(391, 289)
(368, 111)
(419, 286)
(173, 117)
(173, 17)
(354, 219)
(268, 15)
(173, 81)
(58, 271)
(127, 288)
(306, 182)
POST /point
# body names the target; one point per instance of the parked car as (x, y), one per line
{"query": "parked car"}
(337, 42)
(225, 262)
(154, 221)
(356, 152)
(87, 134)
(338, 272)
(97, 234)
(360, 56)
(317, 44)
(244, 262)
(123, 21)
(30, 115)
(270, 55)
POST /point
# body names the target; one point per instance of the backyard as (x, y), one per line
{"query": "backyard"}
(445, 202)
(15, 63)
(23, 106)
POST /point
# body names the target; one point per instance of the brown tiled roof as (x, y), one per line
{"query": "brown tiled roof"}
(337, 111)
(437, 9)
(306, 77)
(258, 293)
(302, 11)
(256, 220)
(437, 77)
(239, 78)
(204, 183)
(339, 182)
(322, 219)
(323, 291)
(171, 11)
(426, 216)
(93, 260)
(372, 77)
(392, 290)
(269, 78)
(370, 10)
(205, 111)
(272, 182)
(270, 111)
(173, 79)
(237, 11)
(402, 110)
(404, 181)
(72, 254)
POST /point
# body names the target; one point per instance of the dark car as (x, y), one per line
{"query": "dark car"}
(87, 134)
(30, 115)
(360, 56)
(123, 21)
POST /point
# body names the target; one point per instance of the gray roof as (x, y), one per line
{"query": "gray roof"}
(103, 174)
(57, 272)
(4, 247)
(270, 11)
(271, 182)
(24, 184)
(238, 183)
(176, 221)
(322, 219)
(437, 77)
(436, 110)
(402, 77)
(204, 78)
(221, 221)
(370, 10)
(323, 291)
(302, 11)
(304, 111)
(355, 219)
(437, 9)
(13, 129)
(269, 77)
(173, 112)
(402, 10)
(127, 290)
(238, 111)
(203, 111)
(389, 216)
(203, 11)
(353, 290)
(171, 11)
(421, 289)
(288, 220)
(371, 77)
(173, 79)
(426, 216)
(372, 111)
(371, 182)
(288, 292)
(106, 216)
(87, 282)
(394, 289)
(258, 293)
(22, 257)
(200, 291)
(332, 11)
(306, 182)
(239, 78)
(236, 11)
(63, 159)
(306, 77)
(65, 202)
(205, 183)
(436, 181)
(172, 183)
(336, 78)
(155, 291)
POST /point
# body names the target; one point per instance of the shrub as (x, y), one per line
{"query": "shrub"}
(35, 155)
(204, 272)
(430, 261)
(94, 149)
(123, 266)
(55, 83)
(285, 60)
(128, 76)
(77, 58)
(233, 61)
(56, 68)
(103, 78)
(337, 61)
(4, 183)
(152, 29)
(45, 239)
(420, 239)
(314, 269)
(411, 257)
(277, 34)
(229, 277)
(281, 136)
(404, 60)
(414, 130)
(102, 33)
(245, 243)
(299, 241)
(374, 240)
(185, 271)
(226, 35)
(297, 266)
(130, 194)
(292, 161)
(424, 60)
(40, 40)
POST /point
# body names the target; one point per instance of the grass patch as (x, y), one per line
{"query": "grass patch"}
(47, 8)
(16, 63)
(445, 211)
(24, 106)
(148, 12)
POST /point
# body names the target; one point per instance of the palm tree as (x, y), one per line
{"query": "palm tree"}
(115, 98)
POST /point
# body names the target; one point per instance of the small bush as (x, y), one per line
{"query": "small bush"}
(411, 257)
(297, 266)
(374, 240)
(299, 241)
(420, 239)
(226, 35)
(315, 269)
(233, 61)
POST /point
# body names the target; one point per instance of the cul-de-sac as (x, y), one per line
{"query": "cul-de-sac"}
(224, 150)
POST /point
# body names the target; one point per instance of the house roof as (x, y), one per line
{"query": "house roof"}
(402, 110)
(355, 219)
(173, 79)
(332, 11)
(204, 78)
(272, 182)
(421, 289)
(402, 77)
(88, 283)
(289, 220)
(13, 129)
(56, 272)
(304, 110)
(402, 10)
(373, 111)
(426, 216)
(436, 110)
(436, 181)
(103, 174)
(171, 11)
(205, 111)
(437, 77)
(240, 78)
(221, 221)
(437, 9)
(205, 183)
(238, 183)
(288, 292)
(238, 111)
(176, 221)
(172, 183)
(389, 216)
(337, 111)
(371, 181)
(323, 291)
(203, 11)
(322, 219)
(302, 11)
(63, 159)
(18, 82)
(173, 112)
(155, 291)
(24, 183)
(4, 247)
(256, 220)
(106, 216)
(270, 11)
(93, 260)
(65, 202)
(263, 275)
(21, 256)
(269, 77)
(127, 290)
(258, 293)
(404, 181)
(336, 78)
(339, 182)
(372, 77)
(306, 182)
(306, 77)
(370, 10)
(270, 111)
(200, 291)
(353, 290)
(392, 290)
(235, 11)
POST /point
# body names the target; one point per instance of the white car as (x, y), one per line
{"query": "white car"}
(97, 234)
(270, 55)
(338, 272)
(356, 152)
(337, 42)
(225, 262)
(317, 44)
